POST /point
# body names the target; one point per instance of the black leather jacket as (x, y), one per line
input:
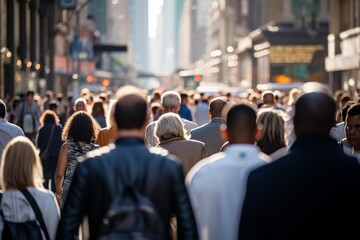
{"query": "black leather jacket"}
(96, 182)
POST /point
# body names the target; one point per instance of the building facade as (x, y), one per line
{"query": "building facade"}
(343, 58)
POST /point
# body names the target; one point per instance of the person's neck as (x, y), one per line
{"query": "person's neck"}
(131, 133)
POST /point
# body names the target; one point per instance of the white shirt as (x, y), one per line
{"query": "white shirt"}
(216, 187)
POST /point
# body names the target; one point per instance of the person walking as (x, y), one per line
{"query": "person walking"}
(49, 143)
(217, 184)
(313, 192)
(209, 133)
(107, 173)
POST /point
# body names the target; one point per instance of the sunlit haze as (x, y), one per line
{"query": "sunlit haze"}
(154, 12)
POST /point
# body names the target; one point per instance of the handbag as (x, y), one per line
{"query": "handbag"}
(26, 230)
(45, 154)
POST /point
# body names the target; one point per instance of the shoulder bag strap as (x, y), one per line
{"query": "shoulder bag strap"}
(37, 211)
(79, 147)
(50, 139)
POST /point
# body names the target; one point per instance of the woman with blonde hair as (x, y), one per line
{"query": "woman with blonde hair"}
(171, 135)
(21, 175)
(272, 141)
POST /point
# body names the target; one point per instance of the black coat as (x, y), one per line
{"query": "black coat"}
(99, 178)
(43, 138)
(312, 193)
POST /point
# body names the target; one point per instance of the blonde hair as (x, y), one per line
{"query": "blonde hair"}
(110, 120)
(20, 165)
(168, 126)
(273, 137)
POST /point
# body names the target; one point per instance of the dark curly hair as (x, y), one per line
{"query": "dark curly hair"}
(82, 127)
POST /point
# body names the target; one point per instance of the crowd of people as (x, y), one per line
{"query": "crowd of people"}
(258, 165)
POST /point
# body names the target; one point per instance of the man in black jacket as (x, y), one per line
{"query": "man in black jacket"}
(100, 178)
(312, 193)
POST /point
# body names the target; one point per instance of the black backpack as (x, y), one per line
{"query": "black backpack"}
(131, 215)
(25, 230)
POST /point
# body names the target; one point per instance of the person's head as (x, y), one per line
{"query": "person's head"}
(268, 98)
(169, 126)
(240, 124)
(98, 109)
(352, 126)
(131, 110)
(294, 94)
(184, 98)
(345, 109)
(80, 127)
(170, 101)
(80, 105)
(314, 114)
(273, 130)
(30, 96)
(2, 109)
(53, 106)
(49, 117)
(216, 106)
(156, 110)
(20, 165)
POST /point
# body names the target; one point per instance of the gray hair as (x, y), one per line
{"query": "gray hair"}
(168, 126)
(170, 99)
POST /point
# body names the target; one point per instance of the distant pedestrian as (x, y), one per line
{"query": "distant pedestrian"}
(313, 192)
(184, 111)
(170, 102)
(209, 133)
(28, 115)
(49, 143)
(8, 131)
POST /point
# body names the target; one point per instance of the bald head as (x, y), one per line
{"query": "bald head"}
(241, 124)
(216, 106)
(314, 114)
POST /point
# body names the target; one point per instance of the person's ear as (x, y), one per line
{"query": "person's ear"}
(223, 132)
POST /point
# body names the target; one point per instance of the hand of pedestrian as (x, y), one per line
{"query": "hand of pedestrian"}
(58, 198)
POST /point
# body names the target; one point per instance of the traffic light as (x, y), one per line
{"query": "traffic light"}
(90, 78)
(197, 78)
(106, 83)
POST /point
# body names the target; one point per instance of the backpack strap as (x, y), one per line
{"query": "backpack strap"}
(51, 137)
(37, 211)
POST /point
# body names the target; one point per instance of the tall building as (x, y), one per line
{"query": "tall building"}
(139, 34)
(286, 42)
(343, 58)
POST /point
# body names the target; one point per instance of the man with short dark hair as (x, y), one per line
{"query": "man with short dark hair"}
(28, 116)
(216, 184)
(311, 193)
(8, 130)
(209, 133)
(184, 111)
(110, 170)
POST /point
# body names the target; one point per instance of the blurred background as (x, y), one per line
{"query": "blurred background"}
(66, 45)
